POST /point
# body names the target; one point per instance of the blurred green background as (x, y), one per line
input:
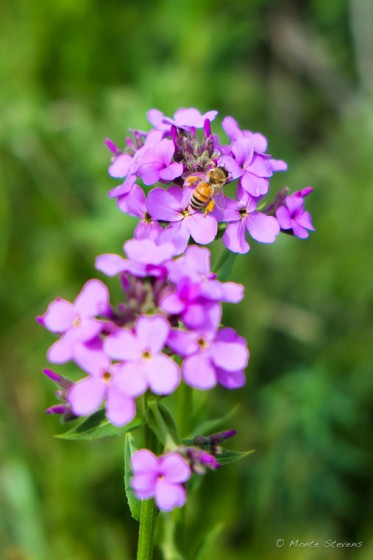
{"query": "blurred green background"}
(301, 72)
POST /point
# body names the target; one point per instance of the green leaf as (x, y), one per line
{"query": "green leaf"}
(161, 422)
(210, 426)
(97, 426)
(227, 457)
(133, 502)
(169, 421)
(205, 543)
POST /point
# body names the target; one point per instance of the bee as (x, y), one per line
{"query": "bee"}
(209, 192)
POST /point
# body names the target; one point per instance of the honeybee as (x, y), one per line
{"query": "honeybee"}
(209, 192)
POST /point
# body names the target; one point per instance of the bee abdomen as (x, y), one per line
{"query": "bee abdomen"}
(199, 202)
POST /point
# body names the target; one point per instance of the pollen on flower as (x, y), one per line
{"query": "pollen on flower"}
(76, 321)
(106, 376)
(202, 343)
(146, 355)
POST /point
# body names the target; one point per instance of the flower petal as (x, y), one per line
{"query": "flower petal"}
(111, 265)
(283, 217)
(234, 237)
(130, 379)
(120, 409)
(165, 204)
(174, 468)
(91, 357)
(172, 171)
(203, 316)
(148, 252)
(168, 495)
(144, 485)
(163, 374)
(152, 332)
(202, 227)
(231, 356)
(262, 228)
(86, 396)
(62, 350)
(120, 166)
(144, 461)
(122, 345)
(59, 316)
(133, 203)
(197, 371)
(178, 234)
(256, 186)
(231, 379)
(183, 342)
(172, 304)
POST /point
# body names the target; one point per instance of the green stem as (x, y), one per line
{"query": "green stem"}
(148, 513)
(224, 265)
(185, 409)
(146, 532)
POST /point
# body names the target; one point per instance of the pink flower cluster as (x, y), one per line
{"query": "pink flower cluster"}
(171, 154)
(171, 309)
(167, 329)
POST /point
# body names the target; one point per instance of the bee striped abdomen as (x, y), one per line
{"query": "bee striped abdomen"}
(201, 196)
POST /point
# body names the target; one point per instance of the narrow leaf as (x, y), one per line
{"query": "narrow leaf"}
(133, 502)
(225, 264)
(169, 421)
(97, 426)
(210, 426)
(227, 457)
(161, 422)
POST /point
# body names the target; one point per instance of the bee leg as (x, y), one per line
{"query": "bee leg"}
(209, 207)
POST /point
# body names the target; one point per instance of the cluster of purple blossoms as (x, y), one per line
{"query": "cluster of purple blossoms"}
(167, 329)
(172, 308)
(176, 156)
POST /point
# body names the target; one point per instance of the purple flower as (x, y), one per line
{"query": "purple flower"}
(197, 293)
(146, 366)
(125, 165)
(193, 264)
(103, 383)
(211, 358)
(233, 131)
(242, 216)
(183, 118)
(156, 164)
(161, 478)
(258, 141)
(196, 311)
(134, 204)
(251, 168)
(291, 215)
(76, 321)
(172, 206)
(145, 258)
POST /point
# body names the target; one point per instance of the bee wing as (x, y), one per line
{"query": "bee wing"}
(219, 198)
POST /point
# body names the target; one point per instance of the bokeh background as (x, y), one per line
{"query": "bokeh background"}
(301, 72)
